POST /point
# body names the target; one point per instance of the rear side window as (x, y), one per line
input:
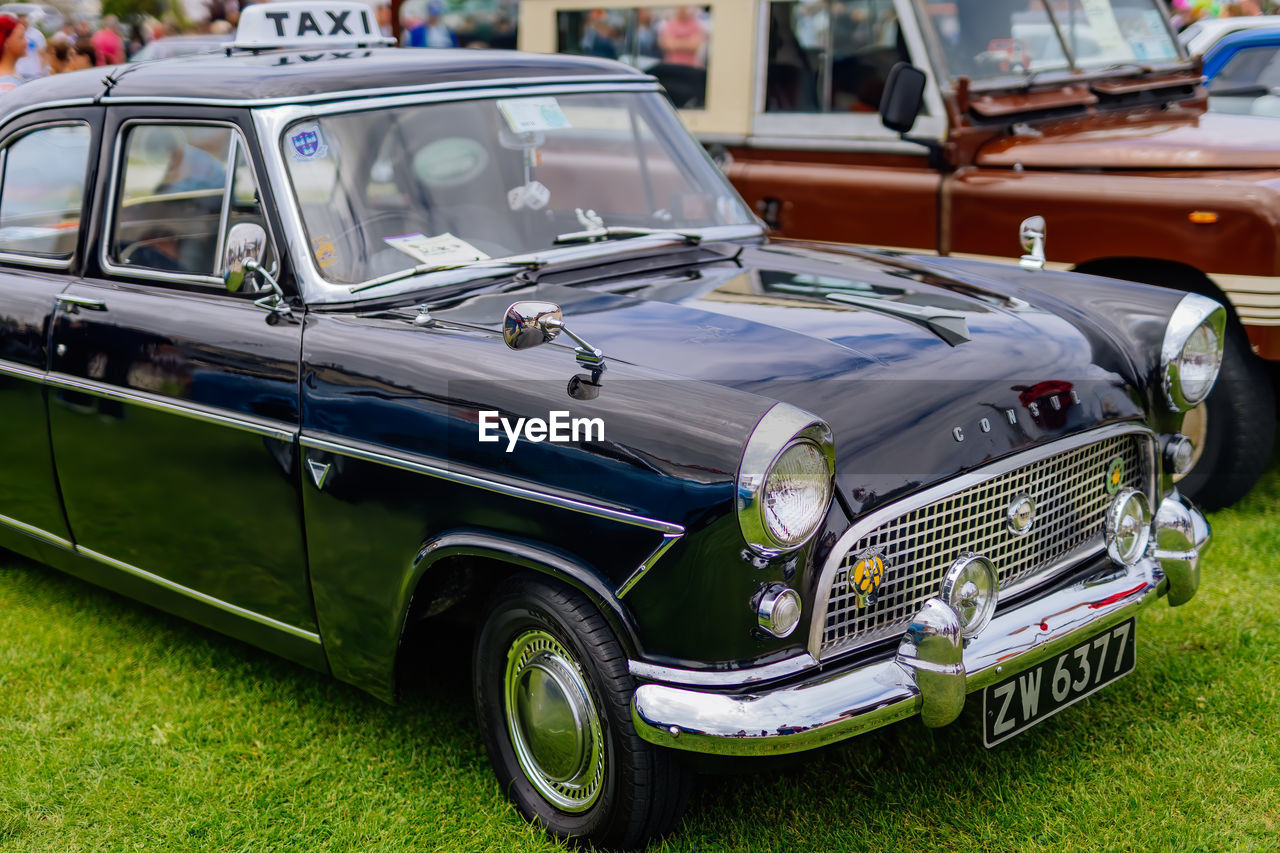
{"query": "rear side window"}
(182, 188)
(42, 192)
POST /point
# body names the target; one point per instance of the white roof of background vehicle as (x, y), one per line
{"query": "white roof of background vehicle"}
(1201, 35)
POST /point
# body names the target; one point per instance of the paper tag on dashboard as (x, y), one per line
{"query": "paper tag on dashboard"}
(440, 250)
(529, 115)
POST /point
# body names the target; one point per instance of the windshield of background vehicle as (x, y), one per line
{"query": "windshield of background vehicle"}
(446, 184)
(984, 39)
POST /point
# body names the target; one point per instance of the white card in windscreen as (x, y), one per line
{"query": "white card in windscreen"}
(441, 250)
(527, 115)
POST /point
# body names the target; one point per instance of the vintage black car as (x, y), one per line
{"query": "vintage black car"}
(319, 346)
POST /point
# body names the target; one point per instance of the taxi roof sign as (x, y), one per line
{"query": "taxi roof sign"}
(314, 23)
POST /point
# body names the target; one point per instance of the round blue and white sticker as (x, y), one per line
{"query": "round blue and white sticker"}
(306, 143)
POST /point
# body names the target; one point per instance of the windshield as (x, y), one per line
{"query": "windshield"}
(984, 39)
(447, 184)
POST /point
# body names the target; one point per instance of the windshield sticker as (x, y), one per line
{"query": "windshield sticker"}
(441, 250)
(308, 143)
(450, 162)
(533, 195)
(326, 256)
(529, 115)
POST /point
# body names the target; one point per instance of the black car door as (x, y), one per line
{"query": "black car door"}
(46, 162)
(174, 414)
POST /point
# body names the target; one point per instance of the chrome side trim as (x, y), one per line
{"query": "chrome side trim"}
(35, 532)
(321, 97)
(723, 678)
(47, 105)
(20, 371)
(437, 468)
(262, 426)
(203, 598)
(668, 539)
(956, 484)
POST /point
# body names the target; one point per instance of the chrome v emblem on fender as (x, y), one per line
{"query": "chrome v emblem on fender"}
(319, 471)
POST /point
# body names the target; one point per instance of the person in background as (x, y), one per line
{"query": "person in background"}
(682, 38)
(107, 42)
(35, 63)
(433, 32)
(83, 55)
(60, 51)
(383, 16)
(66, 34)
(13, 46)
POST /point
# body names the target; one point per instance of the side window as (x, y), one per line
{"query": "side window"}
(181, 188)
(43, 192)
(671, 43)
(831, 56)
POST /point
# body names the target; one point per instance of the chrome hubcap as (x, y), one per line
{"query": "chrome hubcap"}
(554, 726)
(1195, 426)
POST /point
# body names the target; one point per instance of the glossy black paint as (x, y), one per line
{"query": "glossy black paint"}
(178, 429)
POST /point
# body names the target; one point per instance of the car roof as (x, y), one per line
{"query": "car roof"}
(283, 76)
(1198, 37)
(1229, 45)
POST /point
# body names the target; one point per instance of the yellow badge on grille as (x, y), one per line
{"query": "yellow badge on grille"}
(1115, 475)
(866, 575)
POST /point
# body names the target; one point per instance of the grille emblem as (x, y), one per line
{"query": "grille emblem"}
(1115, 475)
(866, 576)
(1021, 515)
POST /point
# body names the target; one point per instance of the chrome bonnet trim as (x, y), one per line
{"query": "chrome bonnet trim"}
(259, 426)
(877, 517)
(668, 539)
(35, 532)
(438, 469)
(196, 595)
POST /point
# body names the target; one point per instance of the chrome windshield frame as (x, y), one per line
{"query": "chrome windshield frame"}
(270, 123)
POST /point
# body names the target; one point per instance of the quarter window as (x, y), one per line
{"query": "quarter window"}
(43, 192)
(182, 188)
(829, 56)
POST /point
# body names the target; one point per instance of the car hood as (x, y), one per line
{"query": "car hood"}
(1166, 140)
(920, 373)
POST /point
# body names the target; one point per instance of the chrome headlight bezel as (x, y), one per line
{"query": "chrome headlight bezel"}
(1192, 312)
(781, 428)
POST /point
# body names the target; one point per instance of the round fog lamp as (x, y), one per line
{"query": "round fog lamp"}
(779, 610)
(970, 589)
(1128, 527)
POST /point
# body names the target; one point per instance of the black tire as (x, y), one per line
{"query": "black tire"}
(534, 627)
(1241, 429)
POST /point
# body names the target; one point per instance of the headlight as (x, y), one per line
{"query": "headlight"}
(1128, 529)
(1192, 352)
(785, 481)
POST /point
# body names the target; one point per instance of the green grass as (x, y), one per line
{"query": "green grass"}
(122, 728)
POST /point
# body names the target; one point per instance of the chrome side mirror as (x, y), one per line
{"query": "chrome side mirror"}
(245, 242)
(529, 324)
(1032, 233)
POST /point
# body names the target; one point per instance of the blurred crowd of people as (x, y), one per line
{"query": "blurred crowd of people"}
(1187, 12)
(26, 53)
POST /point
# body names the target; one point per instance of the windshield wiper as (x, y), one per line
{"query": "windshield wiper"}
(423, 269)
(623, 232)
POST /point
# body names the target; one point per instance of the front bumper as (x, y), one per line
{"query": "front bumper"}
(933, 669)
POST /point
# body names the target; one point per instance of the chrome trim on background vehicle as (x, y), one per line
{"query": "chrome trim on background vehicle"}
(880, 516)
(35, 532)
(270, 429)
(438, 468)
(520, 83)
(195, 594)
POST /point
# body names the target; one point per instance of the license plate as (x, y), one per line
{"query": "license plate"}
(1020, 701)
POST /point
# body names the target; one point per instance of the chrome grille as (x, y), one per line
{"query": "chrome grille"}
(1070, 492)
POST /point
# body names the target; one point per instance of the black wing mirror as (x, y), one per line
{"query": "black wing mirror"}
(903, 97)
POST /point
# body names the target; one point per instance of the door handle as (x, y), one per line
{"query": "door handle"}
(71, 303)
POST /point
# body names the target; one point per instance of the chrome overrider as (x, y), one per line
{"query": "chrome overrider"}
(934, 667)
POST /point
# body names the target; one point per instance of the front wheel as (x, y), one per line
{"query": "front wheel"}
(553, 697)
(1233, 430)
